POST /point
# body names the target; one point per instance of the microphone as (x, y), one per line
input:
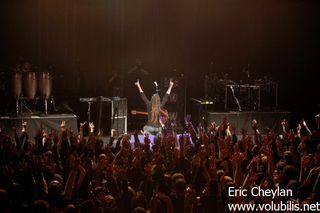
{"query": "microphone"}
(157, 88)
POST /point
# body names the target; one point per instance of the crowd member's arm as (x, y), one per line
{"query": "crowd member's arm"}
(124, 148)
(113, 136)
(16, 137)
(117, 147)
(182, 146)
(23, 136)
(318, 121)
(111, 140)
(313, 173)
(101, 166)
(136, 138)
(55, 148)
(221, 147)
(81, 129)
(305, 126)
(237, 160)
(205, 142)
(41, 184)
(279, 148)
(257, 135)
(164, 198)
(76, 170)
(174, 132)
(125, 198)
(250, 172)
(146, 144)
(234, 138)
(294, 155)
(91, 128)
(212, 128)
(92, 140)
(285, 128)
(304, 160)
(270, 163)
(190, 127)
(82, 174)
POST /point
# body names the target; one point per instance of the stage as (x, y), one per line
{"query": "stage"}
(244, 119)
(237, 119)
(34, 122)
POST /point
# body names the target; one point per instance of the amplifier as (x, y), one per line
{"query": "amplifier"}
(119, 111)
(119, 123)
(119, 107)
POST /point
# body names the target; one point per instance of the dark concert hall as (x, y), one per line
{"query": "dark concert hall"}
(149, 106)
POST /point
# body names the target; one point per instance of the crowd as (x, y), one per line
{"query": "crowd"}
(67, 172)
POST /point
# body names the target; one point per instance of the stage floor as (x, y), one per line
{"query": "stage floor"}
(238, 119)
(244, 119)
(34, 122)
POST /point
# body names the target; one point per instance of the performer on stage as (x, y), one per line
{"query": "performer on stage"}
(154, 109)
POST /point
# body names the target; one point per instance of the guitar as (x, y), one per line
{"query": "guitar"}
(163, 119)
(135, 112)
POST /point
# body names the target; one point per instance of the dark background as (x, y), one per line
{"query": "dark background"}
(84, 42)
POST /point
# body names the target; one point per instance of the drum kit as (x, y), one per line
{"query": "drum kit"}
(248, 94)
(26, 83)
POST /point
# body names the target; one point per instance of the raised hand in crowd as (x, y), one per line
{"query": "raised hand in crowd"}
(91, 127)
(285, 126)
(212, 128)
(190, 127)
(82, 124)
(63, 126)
(304, 127)
(207, 164)
(318, 121)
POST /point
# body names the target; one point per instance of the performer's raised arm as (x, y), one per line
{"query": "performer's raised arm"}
(170, 87)
(142, 95)
(137, 83)
(166, 96)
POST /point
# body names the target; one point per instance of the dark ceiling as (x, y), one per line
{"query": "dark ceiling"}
(85, 41)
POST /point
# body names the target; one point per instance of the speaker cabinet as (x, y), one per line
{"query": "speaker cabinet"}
(119, 124)
(119, 111)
